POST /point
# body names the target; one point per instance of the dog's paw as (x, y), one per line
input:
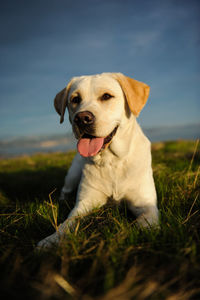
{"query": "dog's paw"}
(147, 223)
(49, 241)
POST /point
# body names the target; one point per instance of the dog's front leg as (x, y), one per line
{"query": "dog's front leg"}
(87, 199)
(73, 177)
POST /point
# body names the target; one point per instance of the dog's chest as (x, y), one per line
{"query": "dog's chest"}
(116, 174)
(111, 176)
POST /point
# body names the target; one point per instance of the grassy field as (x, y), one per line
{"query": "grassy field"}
(106, 257)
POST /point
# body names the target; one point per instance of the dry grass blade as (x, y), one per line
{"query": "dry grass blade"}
(193, 156)
(189, 213)
(54, 211)
(65, 285)
(196, 177)
(77, 227)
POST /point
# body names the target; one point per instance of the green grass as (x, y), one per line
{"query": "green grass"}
(106, 257)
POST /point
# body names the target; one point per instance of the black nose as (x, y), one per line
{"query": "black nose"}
(84, 118)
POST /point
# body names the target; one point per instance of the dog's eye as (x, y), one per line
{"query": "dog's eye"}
(106, 96)
(76, 100)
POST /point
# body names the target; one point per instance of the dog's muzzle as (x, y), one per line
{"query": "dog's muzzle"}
(89, 144)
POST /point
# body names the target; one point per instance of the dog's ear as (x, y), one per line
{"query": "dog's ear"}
(60, 101)
(136, 92)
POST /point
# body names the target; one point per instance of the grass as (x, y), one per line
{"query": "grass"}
(106, 257)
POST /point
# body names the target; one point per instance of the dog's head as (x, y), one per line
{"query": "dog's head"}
(98, 105)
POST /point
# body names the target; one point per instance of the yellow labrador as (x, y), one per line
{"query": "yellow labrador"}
(114, 156)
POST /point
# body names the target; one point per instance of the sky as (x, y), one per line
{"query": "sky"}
(44, 43)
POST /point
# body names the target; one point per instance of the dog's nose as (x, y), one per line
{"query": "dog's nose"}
(84, 118)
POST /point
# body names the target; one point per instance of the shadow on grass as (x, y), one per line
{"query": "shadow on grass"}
(24, 197)
(29, 185)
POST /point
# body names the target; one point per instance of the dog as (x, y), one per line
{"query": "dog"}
(114, 155)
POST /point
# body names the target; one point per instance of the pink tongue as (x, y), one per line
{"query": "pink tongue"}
(90, 147)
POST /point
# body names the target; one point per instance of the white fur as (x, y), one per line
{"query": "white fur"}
(122, 171)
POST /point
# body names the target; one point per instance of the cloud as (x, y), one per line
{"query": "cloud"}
(143, 39)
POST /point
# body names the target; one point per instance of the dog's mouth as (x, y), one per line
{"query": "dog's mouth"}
(89, 145)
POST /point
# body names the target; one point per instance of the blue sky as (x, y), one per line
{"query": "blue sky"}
(46, 42)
